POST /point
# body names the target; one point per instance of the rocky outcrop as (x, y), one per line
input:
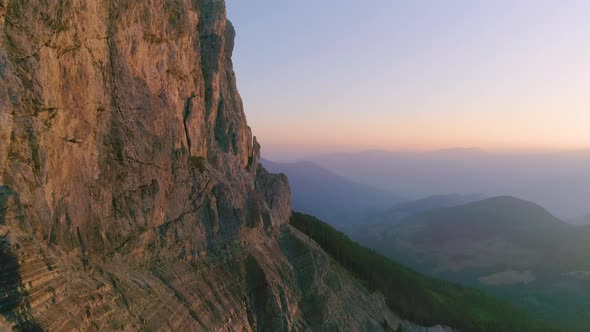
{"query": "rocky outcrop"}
(123, 116)
(131, 196)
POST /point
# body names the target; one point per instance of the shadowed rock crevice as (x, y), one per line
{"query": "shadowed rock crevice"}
(210, 46)
(185, 113)
(301, 257)
(5, 192)
(259, 297)
(14, 298)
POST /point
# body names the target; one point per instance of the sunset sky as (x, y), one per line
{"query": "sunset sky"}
(319, 76)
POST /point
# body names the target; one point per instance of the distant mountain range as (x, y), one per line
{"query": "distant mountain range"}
(559, 181)
(514, 248)
(329, 196)
(343, 202)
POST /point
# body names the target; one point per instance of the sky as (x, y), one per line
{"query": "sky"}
(348, 75)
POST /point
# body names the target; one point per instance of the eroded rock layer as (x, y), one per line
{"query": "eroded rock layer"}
(131, 197)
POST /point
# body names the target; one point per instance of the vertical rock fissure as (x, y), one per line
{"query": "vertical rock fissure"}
(185, 114)
(5, 193)
(111, 47)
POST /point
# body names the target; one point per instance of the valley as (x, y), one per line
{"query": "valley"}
(505, 246)
(509, 247)
(135, 195)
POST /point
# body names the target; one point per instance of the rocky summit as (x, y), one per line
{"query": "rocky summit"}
(131, 194)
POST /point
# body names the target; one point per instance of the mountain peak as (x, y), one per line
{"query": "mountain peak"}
(501, 211)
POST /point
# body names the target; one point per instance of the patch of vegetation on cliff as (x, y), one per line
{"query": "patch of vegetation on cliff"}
(414, 296)
(198, 163)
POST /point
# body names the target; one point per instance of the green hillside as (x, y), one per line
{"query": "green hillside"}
(419, 298)
(508, 247)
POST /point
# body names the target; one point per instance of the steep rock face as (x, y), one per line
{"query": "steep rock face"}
(131, 196)
(122, 115)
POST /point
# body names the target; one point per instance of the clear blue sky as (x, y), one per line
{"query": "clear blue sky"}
(328, 75)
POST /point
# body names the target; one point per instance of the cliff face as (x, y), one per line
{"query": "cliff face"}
(120, 116)
(131, 196)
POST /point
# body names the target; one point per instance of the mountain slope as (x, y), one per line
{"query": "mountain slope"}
(131, 195)
(496, 231)
(424, 299)
(406, 209)
(581, 220)
(514, 248)
(335, 199)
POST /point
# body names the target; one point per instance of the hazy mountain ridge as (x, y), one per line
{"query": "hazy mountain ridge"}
(406, 209)
(334, 198)
(559, 181)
